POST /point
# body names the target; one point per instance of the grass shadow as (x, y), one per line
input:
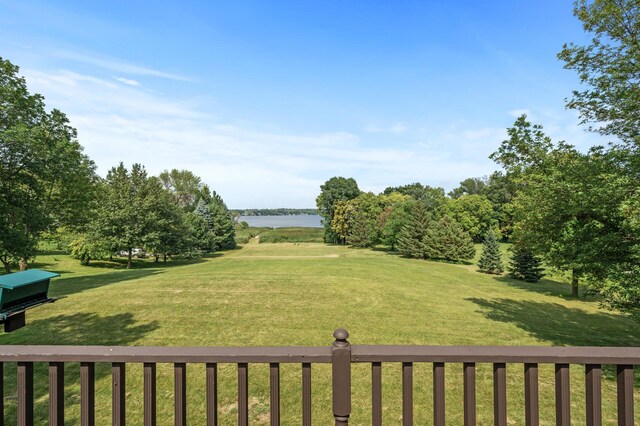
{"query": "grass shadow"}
(561, 325)
(545, 286)
(61, 287)
(121, 263)
(75, 329)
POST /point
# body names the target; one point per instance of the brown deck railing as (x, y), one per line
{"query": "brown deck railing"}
(341, 355)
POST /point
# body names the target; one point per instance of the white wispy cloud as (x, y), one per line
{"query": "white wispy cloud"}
(114, 64)
(127, 81)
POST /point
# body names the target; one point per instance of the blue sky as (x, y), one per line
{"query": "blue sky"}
(267, 100)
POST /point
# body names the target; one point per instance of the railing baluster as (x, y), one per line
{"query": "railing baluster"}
(593, 377)
(1, 394)
(212, 394)
(25, 394)
(469, 369)
(274, 396)
(87, 393)
(438, 394)
(118, 394)
(243, 394)
(531, 404)
(306, 394)
(376, 394)
(407, 393)
(149, 394)
(56, 394)
(180, 393)
(625, 395)
(500, 394)
(563, 408)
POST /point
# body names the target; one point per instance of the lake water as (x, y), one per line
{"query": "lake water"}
(297, 220)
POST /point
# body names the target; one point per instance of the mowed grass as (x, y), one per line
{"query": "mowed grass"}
(292, 235)
(297, 294)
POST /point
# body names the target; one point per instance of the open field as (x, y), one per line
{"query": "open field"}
(281, 235)
(297, 294)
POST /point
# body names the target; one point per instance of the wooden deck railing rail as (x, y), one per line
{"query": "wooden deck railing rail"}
(340, 355)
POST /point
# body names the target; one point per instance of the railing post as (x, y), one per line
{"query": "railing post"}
(341, 372)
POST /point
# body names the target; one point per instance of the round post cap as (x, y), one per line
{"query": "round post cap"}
(341, 335)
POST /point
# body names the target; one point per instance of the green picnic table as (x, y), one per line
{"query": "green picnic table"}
(20, 291)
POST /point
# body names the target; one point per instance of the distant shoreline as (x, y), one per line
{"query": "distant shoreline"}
(282, 221)
(275, 212)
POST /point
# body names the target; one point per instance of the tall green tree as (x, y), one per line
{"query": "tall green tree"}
(475, 213)
(185, 187)
(341, 223)
(395, 214)
(609, 99)
(491, 259)
(500, 191)
(334, 190)
(567, 205)
(201, 222)
(364, 227)
(223, 227)
(45, 179)
(446, 240)
(411, 239)
(431, 197)
(168, 236)
(130, 214)
(525, 265)
(469, 186)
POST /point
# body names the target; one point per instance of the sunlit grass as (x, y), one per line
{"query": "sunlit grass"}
(297, 294)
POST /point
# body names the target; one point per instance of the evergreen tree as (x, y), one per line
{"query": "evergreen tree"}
(201, 224)
(411, 240)
(525, 265)
(222, 225)
(362, 233)
(446, 240)
(363, 224)
(490, 261)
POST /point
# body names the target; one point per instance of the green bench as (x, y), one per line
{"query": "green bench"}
(20, 291)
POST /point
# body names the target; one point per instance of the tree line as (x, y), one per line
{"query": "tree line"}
(417, 220)
(49, 189)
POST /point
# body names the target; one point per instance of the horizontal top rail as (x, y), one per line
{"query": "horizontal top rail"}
(321, 354)
(168, 354)
(499, 354)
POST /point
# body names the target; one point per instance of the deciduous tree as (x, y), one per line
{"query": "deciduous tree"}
(334, 190)
(45, 179)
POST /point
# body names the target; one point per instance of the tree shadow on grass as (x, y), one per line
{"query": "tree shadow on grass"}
(121, 263)
(560, 325)
(74, 329)
(545, 286)
(563, 326)
(62, 287)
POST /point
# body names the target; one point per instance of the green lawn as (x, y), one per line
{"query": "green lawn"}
(297, 294)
